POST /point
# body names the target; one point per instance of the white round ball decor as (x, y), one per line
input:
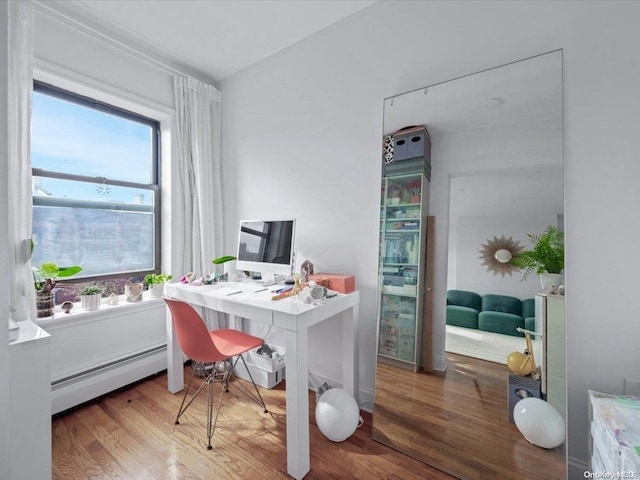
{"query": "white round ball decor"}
(539, 422)
(337, 414)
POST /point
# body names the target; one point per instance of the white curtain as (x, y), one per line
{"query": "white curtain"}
(198, 159)
(20, 87)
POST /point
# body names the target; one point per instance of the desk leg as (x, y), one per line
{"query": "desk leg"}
(175, 364)
(350, 355)
(297, 382)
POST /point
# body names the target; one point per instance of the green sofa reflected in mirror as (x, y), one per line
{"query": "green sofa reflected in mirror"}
(490, 312)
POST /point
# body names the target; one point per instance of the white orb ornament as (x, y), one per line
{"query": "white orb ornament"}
(539, 422)
(337, 414)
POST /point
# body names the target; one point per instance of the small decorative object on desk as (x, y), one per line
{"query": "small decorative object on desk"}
(306, 269)
(228, 267)
(295, 291)
(188, 277)
(318, 292)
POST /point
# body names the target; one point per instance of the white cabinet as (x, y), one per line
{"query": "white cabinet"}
(550, 349)
(614, 443)
(30, 403)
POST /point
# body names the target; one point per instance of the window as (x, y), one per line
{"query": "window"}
(96, 199)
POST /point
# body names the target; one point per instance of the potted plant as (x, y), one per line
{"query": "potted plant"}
(44, 279)
(90, 297)
(223, 277)
(156, 282)
(546, 258)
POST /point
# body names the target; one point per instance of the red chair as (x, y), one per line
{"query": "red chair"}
(209, 347)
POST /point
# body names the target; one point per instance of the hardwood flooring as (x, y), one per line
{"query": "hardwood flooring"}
(459, 422)
(131, 434)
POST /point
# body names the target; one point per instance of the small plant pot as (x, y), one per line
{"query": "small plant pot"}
(550, 281)
(133, 292)
(90, 302)
(156, 290)
(45, 304)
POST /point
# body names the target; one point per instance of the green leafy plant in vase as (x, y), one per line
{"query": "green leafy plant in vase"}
(44, 280)
(546, 258)
(155, 282)
(221, 277)
(90, 297)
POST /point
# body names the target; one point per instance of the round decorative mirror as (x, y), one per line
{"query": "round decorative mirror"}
(498, 253)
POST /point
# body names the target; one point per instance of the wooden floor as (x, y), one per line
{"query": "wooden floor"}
(459, 422)
(131, 435)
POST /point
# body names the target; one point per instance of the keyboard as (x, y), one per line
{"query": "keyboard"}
(231, 288)
(228, 290)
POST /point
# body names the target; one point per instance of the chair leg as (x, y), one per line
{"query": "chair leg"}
(211, 422)
(260, 401)
(184, 397)
(183, 407)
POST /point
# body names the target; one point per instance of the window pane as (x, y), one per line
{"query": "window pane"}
(56, 191)
(67, 137)
(101, 241)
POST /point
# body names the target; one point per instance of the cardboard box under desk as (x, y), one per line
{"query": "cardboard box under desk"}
(339, 283)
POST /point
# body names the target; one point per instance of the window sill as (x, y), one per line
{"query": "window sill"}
(78, 315)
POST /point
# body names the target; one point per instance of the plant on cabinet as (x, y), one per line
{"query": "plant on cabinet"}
(546, 258)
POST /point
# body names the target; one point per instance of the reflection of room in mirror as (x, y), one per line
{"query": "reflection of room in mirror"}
(495, 172)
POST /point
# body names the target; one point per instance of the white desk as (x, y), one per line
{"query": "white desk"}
(295, 318)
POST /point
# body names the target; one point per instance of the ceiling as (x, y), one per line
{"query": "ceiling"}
(524, 91)
(211, 39)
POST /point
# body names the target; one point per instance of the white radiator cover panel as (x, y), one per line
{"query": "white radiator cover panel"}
(97, 352)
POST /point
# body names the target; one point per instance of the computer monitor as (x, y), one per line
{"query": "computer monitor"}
(266, 246)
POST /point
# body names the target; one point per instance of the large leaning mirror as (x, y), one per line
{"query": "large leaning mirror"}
(496, 176)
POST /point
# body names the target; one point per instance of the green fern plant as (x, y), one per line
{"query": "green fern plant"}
(547, 254)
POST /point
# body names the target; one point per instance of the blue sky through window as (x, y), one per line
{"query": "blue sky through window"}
(71, 138)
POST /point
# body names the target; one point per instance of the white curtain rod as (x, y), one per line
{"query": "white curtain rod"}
(46, 8)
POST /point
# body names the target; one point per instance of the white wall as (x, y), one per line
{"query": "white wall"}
(302, 133)
(5, 457)
(472, 232)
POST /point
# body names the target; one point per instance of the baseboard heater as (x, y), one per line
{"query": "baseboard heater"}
(84, 386)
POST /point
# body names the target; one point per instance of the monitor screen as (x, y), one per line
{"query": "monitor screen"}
(266, 246)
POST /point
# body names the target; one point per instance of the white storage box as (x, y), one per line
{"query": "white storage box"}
(261, 377)
(267, 364)
(615, 432)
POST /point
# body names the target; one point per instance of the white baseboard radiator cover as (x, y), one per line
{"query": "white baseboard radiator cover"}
(84, 386)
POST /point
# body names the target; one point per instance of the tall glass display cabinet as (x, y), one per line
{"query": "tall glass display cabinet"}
(403, 223)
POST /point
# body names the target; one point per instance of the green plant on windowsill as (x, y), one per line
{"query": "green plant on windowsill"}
(46, 275)
(91, 290)
(546, 256)
(157, 278)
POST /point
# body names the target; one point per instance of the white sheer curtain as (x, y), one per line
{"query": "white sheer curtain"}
(198, 158)
(20, 86)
